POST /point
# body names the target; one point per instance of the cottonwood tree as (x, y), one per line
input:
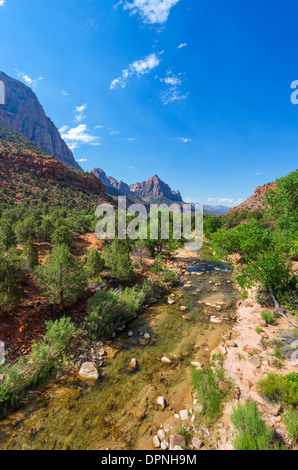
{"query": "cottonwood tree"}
(261, 264)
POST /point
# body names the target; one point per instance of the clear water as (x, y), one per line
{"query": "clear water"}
(119, 412)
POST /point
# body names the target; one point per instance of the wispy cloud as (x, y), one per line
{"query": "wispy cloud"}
(82, 160)
(184, 140)
(28, 80)
(77, 136)
(2, 3)
(184, 44)
(64, 93)
(173, 92)
(79, 112)
(150, 11)
(137, 68)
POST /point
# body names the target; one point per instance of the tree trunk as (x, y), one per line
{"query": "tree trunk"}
(278, 307)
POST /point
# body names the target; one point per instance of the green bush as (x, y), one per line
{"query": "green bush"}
(268, 317)
(170, 277)
(44, 358)
(290, 419)
(208, 393)
(282, 389)
(110, 309)
(251, 432)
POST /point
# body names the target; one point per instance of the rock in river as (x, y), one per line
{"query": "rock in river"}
(89, 372)
(132, 365)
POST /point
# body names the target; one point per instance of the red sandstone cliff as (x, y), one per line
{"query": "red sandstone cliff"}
(256, 201)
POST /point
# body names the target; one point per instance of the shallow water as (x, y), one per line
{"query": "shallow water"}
(119, 412)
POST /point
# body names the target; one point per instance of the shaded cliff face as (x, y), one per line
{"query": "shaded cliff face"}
(23, 113)
(256, 201)
(108, 181)
(152, 189)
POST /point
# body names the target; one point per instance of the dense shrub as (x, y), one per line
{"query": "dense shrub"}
(44, 358)
(251, 432)
(282, 389)
(110, 309)
(206, 385)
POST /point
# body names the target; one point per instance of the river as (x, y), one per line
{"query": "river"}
(120, 411)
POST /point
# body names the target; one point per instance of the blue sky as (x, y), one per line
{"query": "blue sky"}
(212, 117)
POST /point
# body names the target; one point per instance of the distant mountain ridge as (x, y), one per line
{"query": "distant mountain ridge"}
(153, 190)
(22, 112)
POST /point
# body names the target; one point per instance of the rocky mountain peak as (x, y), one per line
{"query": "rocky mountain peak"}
(22, 112)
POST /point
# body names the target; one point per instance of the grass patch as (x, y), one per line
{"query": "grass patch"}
(208, 393)
(268, 318)
(281, 389)
(43, 360)
(251, 432)
(290, 419)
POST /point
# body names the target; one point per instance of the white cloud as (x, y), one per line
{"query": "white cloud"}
(184, 140)
(172, 92)
(131, 139)
(76, 136)
(82, 160)
(151, 11)
(79, 112)
(184, 44)
(2, 3)
(137, 68)
(221, 199)
(28, 80)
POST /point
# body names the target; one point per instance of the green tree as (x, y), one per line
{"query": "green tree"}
(95, 264)
(25, 229)
(63, 277)
(211, 225)
(30, 253)
(7, 235)
(63, 235)
(11, 275)
(46, 230)
(117, 258)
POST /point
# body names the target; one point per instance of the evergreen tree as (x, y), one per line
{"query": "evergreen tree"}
(7, 236)
(95, 264)
(62, 236)
(117, 258)
(63, 277)
(30, 253)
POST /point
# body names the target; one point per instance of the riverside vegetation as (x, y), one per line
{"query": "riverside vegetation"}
(264, 242)
(263, 245)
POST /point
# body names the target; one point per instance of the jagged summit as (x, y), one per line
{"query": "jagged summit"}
(150, 191)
